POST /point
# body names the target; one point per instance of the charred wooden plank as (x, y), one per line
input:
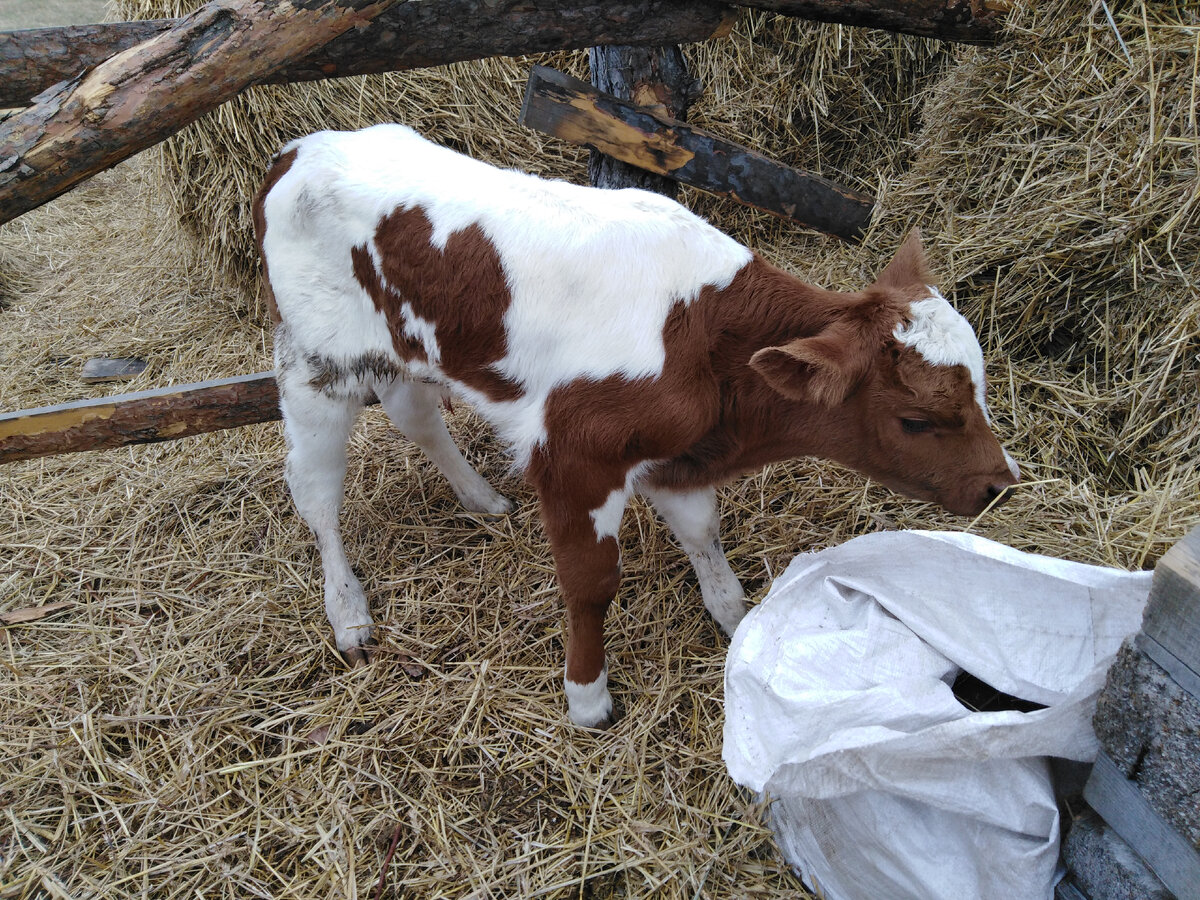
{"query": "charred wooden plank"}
(963, 21)
(139, 418)
(149, 91)
(408, 36)
(575, 111)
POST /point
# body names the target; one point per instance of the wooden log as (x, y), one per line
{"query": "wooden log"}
(648, 76)
(151, 90)
(407, 36)
(139, 418)
(964, 21)
(34, 59)
(575, 111)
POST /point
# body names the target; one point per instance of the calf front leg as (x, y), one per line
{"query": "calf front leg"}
(413, 409)
(588, 563)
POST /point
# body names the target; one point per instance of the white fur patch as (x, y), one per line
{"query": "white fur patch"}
(693, 517)
(1012, 465)
(937, 331)
(606, 520)
(589, 705)
(592, 274)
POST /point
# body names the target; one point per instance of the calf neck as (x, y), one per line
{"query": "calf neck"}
(617, 343)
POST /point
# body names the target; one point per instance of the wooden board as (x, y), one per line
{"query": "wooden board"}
(1173, 611)
(1066, 890)
(573, 110)
(1118, 800)
(139, 418)
(1181, 673)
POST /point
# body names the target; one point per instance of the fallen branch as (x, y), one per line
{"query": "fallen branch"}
(575, 111)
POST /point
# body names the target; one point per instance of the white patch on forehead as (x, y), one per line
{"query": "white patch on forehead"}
(937, 331)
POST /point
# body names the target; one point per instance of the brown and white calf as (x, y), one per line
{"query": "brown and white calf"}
(617, 343)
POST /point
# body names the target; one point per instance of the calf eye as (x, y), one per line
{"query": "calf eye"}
(916, 426)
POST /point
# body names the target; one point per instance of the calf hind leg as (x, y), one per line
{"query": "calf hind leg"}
(692, 515)
(317, 426)
(413, 409)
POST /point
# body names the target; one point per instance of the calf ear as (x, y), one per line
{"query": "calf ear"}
(908, 266)
(822, 369)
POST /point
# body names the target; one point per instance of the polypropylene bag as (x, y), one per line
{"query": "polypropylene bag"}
(839, 706)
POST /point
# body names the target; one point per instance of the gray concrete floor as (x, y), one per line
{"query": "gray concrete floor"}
(37, 13)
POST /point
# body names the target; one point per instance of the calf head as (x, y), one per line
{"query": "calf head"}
(895, 385)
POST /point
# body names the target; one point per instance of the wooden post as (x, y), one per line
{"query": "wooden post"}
(647, 76)
(153, 89)
(406, 36)
(1171, 631)
(575, 111)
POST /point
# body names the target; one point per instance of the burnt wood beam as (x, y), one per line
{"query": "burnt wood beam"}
(148, 92)
(407, 36)
(140, 418)
(573, 110)
(963, 21)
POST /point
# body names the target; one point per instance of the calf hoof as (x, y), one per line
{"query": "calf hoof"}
(356, 657)
(486, 504)
(604, 724)
(356, 644)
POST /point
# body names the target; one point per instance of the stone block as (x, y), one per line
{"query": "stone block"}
(1103, 867)
(1150, 727)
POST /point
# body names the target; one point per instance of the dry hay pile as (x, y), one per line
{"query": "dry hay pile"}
(184, 728)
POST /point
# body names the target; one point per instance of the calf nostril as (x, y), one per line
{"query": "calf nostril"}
(997, 490)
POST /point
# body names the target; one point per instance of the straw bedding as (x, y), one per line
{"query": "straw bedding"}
(183, 727)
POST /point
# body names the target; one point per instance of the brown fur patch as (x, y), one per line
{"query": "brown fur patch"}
(461, 289)
(407, 347)
(279, 167)
(712, 415)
